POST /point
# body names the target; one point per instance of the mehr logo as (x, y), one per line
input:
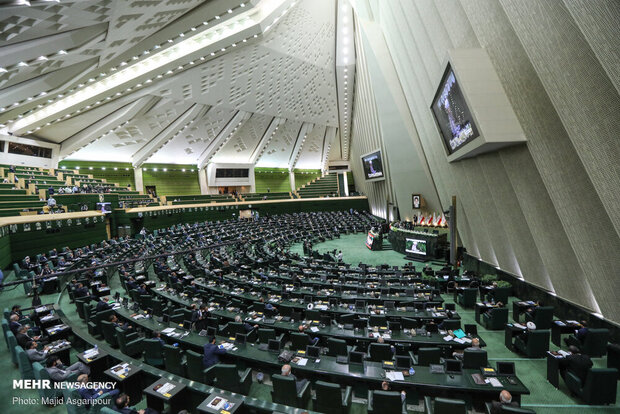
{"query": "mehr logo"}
(31, 384)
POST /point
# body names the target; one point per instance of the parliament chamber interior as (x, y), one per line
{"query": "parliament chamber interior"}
(310, 206)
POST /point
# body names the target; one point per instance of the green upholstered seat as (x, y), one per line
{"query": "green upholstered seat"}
(475, 358)
(25, 366)
(599, 387)
(379, 352)
(337, 347)
(194, 367)
(299, 341)
(383, 402)
(173, 360)
(330, 398)
(285, 392)
(228, 378)
(495, 318)
(594, 344)
(428, 356)
(444, 406)
(542, 316)
(467, 298)
(537, 343)
(109, 333)
(12, 343)
(129, 343)
(153, 352)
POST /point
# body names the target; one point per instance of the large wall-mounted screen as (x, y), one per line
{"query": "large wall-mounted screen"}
(415, 246)
(452, 113)
(373, 166)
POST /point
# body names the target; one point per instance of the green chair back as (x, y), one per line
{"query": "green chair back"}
(449, 406)
(475, 359)
(25, 366)
(337, 347)
(328, 398)
(173, 360)
(427, 356)
(153, 352)
(12, 343)
(195, 369)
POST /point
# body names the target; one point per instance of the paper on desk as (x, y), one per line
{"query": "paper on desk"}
(314, 329)
(494, 382)
(167, 330)
(563, 353)
(394, 376)
(302, 362)
(448, 338)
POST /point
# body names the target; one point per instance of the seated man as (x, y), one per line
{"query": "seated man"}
(59, 372)
(211, 353)
(521, 339)
(286, 372)
(577, 363)
(580, 334)
(475, 346)
(23, 338)
(114, 321)
(504, 399)
(14, 324)
(103, 305)
(385, 386)
(91, 394)
(34, 354)
(121, 405)
(311, 340)
(248, 328)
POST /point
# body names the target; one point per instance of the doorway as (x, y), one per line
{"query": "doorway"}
(151, 190)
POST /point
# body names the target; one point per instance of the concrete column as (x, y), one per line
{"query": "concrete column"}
(202, 179)
(346, 184)
(138, 182)
(291, 177)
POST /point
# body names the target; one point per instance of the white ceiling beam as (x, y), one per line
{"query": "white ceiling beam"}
(220, 36)
(345, 74)
(223, 137)
(328, 140)
(100, 128)
(194, 112)
(266, 139)
(305, 129)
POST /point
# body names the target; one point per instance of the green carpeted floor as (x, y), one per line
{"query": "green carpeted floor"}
(544, 398)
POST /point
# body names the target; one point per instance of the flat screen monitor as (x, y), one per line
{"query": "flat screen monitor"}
(313, 351)
(454, 366)
(505, 368)
(356, 357)
(415, 246)
(211, 331)
(274, 345)
(452, 114)
(372, 165)
(187, 325)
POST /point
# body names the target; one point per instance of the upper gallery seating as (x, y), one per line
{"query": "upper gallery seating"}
(326, 185)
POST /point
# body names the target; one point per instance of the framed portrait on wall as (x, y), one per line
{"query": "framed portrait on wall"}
(416, 201)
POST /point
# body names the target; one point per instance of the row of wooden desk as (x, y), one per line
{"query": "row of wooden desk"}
(328, 369)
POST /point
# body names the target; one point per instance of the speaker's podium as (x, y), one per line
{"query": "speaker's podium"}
(417, 245)
(374, 240)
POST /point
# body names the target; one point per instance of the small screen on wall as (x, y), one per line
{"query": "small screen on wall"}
(452, 114)
(373, 166)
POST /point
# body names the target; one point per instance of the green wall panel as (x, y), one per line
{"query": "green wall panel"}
(276, 179)
(303, 177)
(5, 251)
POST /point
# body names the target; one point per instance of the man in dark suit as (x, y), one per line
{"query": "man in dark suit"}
(121, 405)
(103, 305)
(211, 353)
(59, 372)
(577, 363)
(81, 291)
(23, 338)
(14, 324)
(504, 399)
